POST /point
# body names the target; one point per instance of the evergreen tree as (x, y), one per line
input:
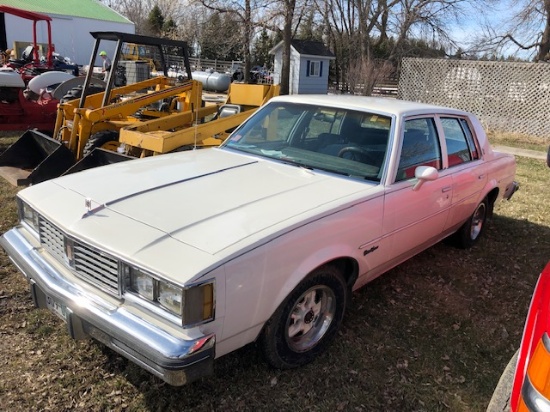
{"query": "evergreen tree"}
(156, 20)
(261, 48)
(209, 44)
(169, 25)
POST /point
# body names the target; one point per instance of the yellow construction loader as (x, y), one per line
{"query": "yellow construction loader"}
(183, 131)
(139, 113)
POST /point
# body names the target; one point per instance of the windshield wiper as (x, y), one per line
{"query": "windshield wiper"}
(313, 168)
(291, 162)
(326, 169)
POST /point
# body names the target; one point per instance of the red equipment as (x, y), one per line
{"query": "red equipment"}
(19, 108)
(33, 57)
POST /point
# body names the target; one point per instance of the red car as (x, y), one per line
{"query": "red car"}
(525, 383)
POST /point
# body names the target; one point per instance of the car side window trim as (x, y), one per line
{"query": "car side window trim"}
(457, 132)
(471, 138)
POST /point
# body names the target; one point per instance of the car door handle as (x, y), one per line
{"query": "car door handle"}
(446, 189)
(481, 177)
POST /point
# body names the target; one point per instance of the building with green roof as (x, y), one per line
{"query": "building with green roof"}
(72, 22)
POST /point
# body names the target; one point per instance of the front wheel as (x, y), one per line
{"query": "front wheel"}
(305, 323)
(471, 231)
(99, 139)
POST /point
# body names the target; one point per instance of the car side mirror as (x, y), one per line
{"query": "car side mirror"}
(424, 174)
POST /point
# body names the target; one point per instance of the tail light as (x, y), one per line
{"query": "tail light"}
(531, 386)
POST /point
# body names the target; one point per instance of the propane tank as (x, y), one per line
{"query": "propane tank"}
(212, 81)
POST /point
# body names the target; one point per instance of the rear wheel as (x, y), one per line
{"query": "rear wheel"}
(471, 231)
(308, 319)
(99, 139)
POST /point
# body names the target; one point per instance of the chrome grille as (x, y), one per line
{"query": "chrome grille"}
(96, 267)
(91, 265)
(51, 238)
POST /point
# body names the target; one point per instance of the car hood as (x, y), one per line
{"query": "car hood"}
(209, 199)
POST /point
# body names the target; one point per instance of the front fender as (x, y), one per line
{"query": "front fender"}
(315, 259)
(259, 281)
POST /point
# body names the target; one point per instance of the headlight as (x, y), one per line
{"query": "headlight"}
(142, 283)
(165, 294)
(194, 303)
(170, 297)
(28, 215)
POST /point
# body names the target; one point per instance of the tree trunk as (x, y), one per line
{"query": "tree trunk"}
(544, 49)
(287, 39)
(247, 40)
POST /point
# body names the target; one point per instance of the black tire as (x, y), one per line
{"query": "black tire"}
(307, 320)
(76, 92)
(238, 76)
(500, 401)
(473, 228)
(99, 139)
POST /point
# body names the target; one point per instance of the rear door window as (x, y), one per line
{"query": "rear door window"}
(461, 147)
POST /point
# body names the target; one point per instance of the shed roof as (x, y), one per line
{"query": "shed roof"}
(90, 9)
(310, 47)
(307, 47)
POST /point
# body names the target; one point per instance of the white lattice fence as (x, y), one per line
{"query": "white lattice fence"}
(506, 96)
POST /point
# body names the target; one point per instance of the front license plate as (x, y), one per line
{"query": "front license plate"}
(57, 308)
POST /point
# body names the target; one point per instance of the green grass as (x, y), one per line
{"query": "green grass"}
(434, 334)
(517, 140)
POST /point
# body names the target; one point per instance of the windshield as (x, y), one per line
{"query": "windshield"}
(340, 141)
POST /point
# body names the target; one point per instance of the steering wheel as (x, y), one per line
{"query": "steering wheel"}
(358, 154)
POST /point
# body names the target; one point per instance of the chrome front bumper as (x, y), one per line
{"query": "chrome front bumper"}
(175, 360)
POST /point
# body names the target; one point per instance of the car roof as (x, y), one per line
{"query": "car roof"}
(382, 105)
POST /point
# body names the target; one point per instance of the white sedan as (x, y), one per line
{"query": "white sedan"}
(178, 259)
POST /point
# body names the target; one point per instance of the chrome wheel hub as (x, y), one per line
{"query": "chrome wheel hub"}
(310, 318)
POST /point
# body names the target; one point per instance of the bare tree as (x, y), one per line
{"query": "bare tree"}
(341, 28)
(138, 11)
(422, 18)
(351, 28)
(242, 10)
(289, 9)
(529, 31)
(284, 17)
(356, 28)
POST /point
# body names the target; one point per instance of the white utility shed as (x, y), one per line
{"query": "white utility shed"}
(309, 66)
(72, 22)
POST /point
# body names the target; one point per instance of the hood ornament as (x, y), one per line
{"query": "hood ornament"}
(90, 209)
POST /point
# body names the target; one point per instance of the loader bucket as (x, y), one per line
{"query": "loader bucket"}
(34, 158)
(97, 157)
